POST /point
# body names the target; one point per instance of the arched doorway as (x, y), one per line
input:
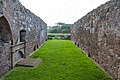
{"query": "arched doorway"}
(5, 31)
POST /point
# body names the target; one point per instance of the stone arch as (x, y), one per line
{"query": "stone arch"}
(19, 55)
(5, 31)
(22, 35)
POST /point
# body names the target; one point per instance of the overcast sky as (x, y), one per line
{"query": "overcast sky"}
(67, 11)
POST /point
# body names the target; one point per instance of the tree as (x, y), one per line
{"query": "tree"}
(65, 31)
(54, 29)
(60, 24)
(60, 28)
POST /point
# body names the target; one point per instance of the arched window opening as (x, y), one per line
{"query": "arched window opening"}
(18, 56)
(5, 31)
(22, 35)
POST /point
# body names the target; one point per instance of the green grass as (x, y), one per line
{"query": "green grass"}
(61, 61)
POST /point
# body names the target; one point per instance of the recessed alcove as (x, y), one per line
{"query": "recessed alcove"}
(5, 31)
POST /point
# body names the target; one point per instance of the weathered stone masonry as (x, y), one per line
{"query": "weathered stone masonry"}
(98, 35)
(21, 33)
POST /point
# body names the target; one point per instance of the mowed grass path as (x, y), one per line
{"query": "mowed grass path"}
(61, 61)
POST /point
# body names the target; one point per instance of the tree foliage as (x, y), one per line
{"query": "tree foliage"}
(60, 28)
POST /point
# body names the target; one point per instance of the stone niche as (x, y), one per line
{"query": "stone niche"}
(5, 31)
(22, 35)
(5, 42)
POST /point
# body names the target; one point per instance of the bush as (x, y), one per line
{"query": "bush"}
(58, 36)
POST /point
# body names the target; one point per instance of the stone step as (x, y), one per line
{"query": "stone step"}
(29, 62)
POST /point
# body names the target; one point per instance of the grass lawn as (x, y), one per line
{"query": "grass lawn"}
(61, 61)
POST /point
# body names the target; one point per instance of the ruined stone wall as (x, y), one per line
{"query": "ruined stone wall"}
(98, 35)
(19, 18)
(5, 57)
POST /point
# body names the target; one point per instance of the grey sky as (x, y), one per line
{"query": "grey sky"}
(67, 11)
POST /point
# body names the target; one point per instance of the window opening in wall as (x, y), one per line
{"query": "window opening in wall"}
(34, 48)
(37, 46)
(22, 35)
(77, 45)
(89, 55)
(108, 10)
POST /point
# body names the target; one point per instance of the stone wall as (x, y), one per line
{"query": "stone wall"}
(5, 57)
(18, 25)
(98, 35)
